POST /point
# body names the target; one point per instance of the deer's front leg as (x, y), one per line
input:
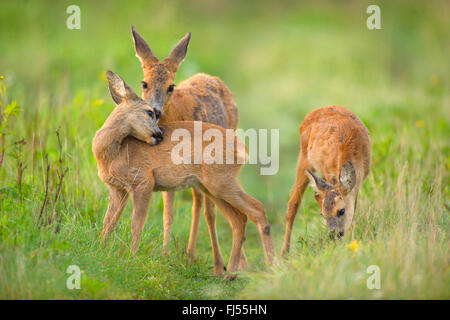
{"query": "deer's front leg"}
(168, 199)
(197, 199)
(117, 201)
(210, 215)
(298, 189)
(141, 195)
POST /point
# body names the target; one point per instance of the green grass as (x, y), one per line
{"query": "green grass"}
(280, 61)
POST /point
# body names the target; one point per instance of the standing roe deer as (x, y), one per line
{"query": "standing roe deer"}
(130, 166)
(335, 142)
(201, 97)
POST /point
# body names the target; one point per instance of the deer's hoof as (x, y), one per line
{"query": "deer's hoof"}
(219, 270)
(230, 276)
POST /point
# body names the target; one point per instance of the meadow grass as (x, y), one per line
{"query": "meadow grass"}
(281, 61)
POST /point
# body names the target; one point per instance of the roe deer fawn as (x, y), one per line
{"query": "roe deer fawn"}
(335, 142)
(130, 166)
(201, 97)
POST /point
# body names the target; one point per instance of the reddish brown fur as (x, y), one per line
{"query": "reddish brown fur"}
(201, 97)
(335, 142)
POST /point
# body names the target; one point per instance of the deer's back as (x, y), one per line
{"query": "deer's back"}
(331, 135)
(138, 161)
(203, 98)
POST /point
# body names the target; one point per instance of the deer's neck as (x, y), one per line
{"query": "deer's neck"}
(108, 139)
(169, 114)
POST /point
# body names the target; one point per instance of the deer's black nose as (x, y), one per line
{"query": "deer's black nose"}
(341, 234)
(158, 136)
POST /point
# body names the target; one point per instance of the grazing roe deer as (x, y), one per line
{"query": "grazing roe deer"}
(335, 142)
(201, 97)
(130, 166)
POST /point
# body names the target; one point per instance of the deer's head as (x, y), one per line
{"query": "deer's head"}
(132, 114)
(337, 199)
(158, 83)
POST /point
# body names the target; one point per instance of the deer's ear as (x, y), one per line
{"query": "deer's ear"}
(179, 52)
(119, 89)
(143, 51)
(318, 184)
(347, 177)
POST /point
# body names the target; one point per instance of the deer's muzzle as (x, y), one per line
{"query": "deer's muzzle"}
(157, 136)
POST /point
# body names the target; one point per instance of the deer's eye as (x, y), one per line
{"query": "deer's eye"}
(341, 212)
(170, 88)
(144, 84)
(150, 113)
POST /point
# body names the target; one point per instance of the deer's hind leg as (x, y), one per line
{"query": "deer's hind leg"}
(141, 195)
(253, 209)
(117, 201)
(232, 194)
(197, 199)
(237, 222)
(243, 260)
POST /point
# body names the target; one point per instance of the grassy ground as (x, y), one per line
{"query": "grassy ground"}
(281, 61)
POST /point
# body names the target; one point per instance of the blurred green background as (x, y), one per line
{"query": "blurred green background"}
(281, 59)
